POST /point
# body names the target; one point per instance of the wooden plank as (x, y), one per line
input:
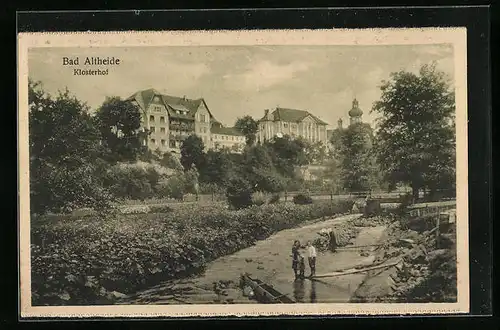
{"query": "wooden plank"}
(354, 271)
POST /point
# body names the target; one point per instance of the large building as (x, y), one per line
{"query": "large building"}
(171, 119)
(291, 122)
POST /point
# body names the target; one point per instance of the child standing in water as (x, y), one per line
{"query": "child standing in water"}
(295, 257)
(311, 250)
(302, 266)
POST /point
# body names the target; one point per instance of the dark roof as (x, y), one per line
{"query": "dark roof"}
(145, 97)
(292, 115)
(226, 131)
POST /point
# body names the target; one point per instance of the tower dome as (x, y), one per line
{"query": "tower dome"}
(355, 110)
(355, 113)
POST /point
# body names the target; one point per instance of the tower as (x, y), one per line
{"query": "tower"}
(355, 113)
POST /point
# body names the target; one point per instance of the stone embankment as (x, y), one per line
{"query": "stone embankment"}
(425, 269)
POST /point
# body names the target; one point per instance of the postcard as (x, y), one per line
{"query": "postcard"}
(243, 173)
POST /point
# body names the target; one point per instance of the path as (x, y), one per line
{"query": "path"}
(270, 261)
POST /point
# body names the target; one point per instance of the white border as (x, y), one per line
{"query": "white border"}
(455, 36)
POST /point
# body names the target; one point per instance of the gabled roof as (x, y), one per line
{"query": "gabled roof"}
(292, 115)
(226, 131)
(145, 97)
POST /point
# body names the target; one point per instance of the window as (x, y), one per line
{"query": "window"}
(162, 119)
(163, 142)
(232, 138)
(202, 118)
(162, 130)
(152, 129)
(285, 125)
(172, 144)
(153, 141)
(204, 130)
(152, 119)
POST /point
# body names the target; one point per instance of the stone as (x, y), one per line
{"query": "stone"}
(117, 295)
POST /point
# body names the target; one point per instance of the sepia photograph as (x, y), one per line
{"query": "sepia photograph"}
(221, 173)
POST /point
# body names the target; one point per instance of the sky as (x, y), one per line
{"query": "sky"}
(243, 80)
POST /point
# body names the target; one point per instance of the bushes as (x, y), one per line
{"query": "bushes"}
(302, 199)
(133, 181)
(126, 252)
(239, 193)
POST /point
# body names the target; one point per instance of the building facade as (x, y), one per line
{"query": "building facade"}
(171, 119)
(228, 138)
(291, 122)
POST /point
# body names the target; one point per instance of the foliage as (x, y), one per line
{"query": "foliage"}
(302, 199)
(217, 167)
(315, 152)
(130, 182)
(259, 198)
(168, 160)
(357, 159)
(239, 193)
(80, 261)
(160, 209)
(119, 122)
(173, 187)
(416, 133)
(249, 127)
(275, 198)
(192, 152)
(64, 149)
(286, 154)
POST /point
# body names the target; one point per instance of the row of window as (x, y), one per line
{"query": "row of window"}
(162, 118)
(292, 126)
(227, 138)
(152, 119)
(153, 129)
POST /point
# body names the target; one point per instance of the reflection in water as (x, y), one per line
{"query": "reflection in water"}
(313, 291)
(298, 290)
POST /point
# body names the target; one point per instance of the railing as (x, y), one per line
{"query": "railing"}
(430, 209)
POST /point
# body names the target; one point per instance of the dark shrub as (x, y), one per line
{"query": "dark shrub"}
(302, 199)
(275, 198)
(239, 193)
(160, 209)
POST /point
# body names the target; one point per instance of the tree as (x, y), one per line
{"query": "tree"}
(316, 152)
(249, 127)
(357, 160)
(287, 154)
(170, 161)
(217, 168)
(119, 122)
(416, 135)
(192, 152)
(65, 171)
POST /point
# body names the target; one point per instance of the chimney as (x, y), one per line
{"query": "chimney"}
(266, 112)
(184, 98)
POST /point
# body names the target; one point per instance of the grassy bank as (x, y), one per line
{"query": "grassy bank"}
(82, 260)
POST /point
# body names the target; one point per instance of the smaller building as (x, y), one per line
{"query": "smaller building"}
(227, 137)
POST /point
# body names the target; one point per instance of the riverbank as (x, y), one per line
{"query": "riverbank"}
(425, 269)
(269, 260)
(99, 259)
